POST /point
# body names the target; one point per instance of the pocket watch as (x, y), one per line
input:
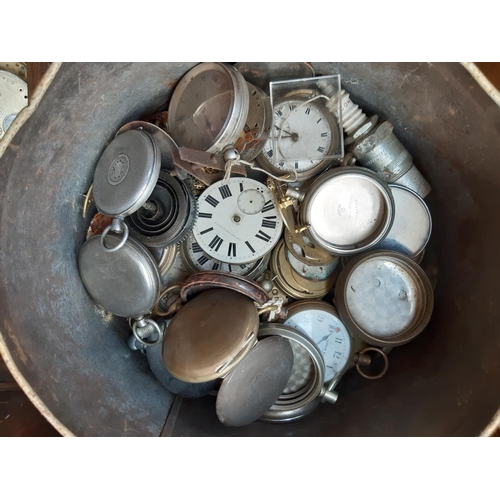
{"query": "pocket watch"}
(347, 210)
(321, 322)
(412, 225)
(124, 178)
(304, 136)
(384, 298)
(213, 107)
(237, 221)
(209, 335)
(195, 259)
(126, 282)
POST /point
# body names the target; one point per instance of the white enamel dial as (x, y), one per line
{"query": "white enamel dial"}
(228, 228)
(302, 136)
(199, 260)
(322, 324)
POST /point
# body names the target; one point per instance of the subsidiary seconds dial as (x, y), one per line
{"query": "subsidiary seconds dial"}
(237, 221)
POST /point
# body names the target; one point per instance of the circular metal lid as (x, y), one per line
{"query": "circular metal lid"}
(348, 210)
(209, 335)
(167, 380)
(384, 298)
(126, 173)
(13, 98)
(165, 143)
(209, 107)
(125, 282)
(412, 225)
(256, 383)
(305, 384)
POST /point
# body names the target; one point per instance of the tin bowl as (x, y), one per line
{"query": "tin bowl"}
(347, 210)
(384, 298)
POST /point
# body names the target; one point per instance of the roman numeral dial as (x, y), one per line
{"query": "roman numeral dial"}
(302, 137)
(238, 222)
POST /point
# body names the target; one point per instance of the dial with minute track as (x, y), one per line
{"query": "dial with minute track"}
(227, 230)
(321, 323)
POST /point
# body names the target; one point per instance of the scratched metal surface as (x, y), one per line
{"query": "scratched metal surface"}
(446, 382)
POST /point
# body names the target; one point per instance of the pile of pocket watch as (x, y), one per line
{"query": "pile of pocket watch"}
(262, 237)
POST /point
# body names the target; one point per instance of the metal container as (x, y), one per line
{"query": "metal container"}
(73, 361)
(384, 298)
(347, 210)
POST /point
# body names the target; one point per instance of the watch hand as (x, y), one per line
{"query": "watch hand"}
(324, 338)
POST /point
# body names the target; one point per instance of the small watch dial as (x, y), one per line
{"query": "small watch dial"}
(303, 136)
(251, 201)
(224, 229)
(329, 334)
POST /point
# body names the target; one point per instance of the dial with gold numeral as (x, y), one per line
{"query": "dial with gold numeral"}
(237, 221)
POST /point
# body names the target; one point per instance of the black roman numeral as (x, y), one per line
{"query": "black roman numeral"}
(216, 243)
(205, 215)
(232, 250)
(291, 106)
(270, 153)
(338, 340)
(321, 149)
(324, 134)
(319, 120)
(308, 110)
(282, 164)
(263, 236)
(225, 192)
(203, 260)
(249, 246)
(269, 223)
(212, 201)
(196, 248)
(216, 266)
(268, 205)
(207, 230)
(296, 165)
(279, 112)
(241, 187)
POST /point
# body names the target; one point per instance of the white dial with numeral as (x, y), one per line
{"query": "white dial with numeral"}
(237, 221)
(321, 323)
(198, 260)
(304, 136)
